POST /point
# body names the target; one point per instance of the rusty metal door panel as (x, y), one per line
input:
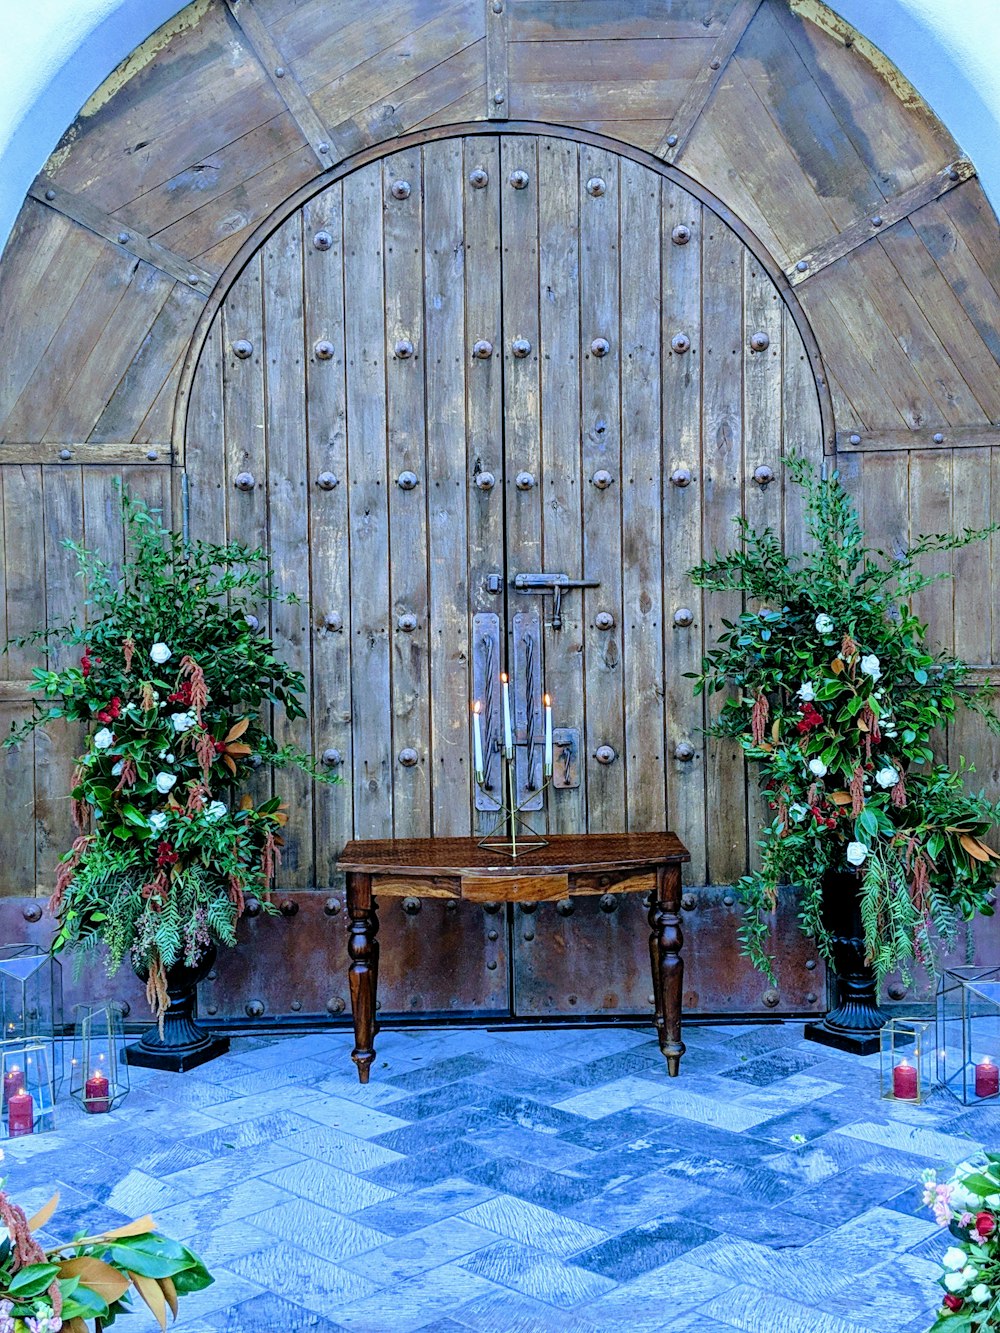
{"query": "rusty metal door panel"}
(27, 921)
(594, 959)
(435, 960)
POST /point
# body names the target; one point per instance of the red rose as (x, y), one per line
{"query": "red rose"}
(105, 717)
(115, 707)
(85, 665)
(831, 823)
(985, 1223)
(953, 1302)
(220, 747)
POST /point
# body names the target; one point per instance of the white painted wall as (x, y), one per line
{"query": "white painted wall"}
(54, 53)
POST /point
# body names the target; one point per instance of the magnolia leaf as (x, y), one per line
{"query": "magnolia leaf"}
(974, 847)
(766, 746)
(775, 730)
(75, 1325)
(236, 732)
(841, 798)
(863, 725)
(229, 764)
(109, 1284)
(151, 1292)
(246, 803)
(43, 1214)
(170, 1292)
(238, 747)
(141, 1227)
(837, 666)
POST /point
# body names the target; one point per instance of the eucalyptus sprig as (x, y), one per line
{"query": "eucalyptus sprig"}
(833, 693)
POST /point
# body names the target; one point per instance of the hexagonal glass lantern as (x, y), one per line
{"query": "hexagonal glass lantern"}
(906, 1061)
(27, 1089)
(99, 1078)
(31, 992)
(968, 1033)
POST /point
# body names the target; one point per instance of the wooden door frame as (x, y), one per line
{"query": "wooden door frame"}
(495, 129)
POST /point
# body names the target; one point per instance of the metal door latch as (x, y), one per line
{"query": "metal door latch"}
(556, 584)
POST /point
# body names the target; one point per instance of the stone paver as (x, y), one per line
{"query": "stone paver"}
(508, 1182)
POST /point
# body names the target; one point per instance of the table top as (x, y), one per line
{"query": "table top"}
(564, 853)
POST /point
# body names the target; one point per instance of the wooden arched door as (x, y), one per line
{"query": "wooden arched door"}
(465, 367)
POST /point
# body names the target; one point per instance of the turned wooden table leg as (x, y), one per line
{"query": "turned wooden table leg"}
(665, 943)
(363, 949)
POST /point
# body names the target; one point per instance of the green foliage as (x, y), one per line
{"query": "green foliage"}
(92, 1278)
(177, 688)
(832, 691)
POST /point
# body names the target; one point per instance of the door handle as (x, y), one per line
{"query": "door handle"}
(556, 584)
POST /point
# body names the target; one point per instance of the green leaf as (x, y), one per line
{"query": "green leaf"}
(32, 1280)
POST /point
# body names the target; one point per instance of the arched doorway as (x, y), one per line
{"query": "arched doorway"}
(459, 375)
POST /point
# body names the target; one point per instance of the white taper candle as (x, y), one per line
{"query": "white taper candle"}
(477, 740)
(548, 735)
(508, 730)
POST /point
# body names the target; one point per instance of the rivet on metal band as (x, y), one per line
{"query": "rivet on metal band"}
(324, 350)
(400, 189)
(327, 481)
(406, 481)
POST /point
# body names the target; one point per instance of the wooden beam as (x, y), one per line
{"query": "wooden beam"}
(894, 210)
(321, 140)
(673, 143)
(861, 440)
(128, 240)
(113, 454)
(497, 79)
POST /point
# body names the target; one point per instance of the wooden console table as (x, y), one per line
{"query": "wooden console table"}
(586, 863)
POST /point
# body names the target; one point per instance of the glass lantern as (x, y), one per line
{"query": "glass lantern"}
(968, 1033)
(99, 1078)
(31, 1000)
(28, 1093)
(906, 1062)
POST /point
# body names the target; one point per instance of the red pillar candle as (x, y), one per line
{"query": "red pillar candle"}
(987, 1078)
(20, 1114)
(904, 1082)
(13, 1081)
(95, 1097)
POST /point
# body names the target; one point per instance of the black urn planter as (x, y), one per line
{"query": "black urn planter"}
(855, 1021)
(184, 1044)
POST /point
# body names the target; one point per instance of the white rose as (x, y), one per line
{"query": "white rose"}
(969, 1274)
(980, 1294)
(887, 777)
(824, 624)
(856, 853)
(954, 1281)
(164, 781)
(170, 758)
(817, 768)
(103, 739)
(798, 812)
(217, 810)
(158, 821)
(117, 770)
(160, 653)
(182, 721)
(807, 692)
(953, 1258)
(870, 666)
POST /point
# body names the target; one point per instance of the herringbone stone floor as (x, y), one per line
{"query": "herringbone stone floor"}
(514, 1182)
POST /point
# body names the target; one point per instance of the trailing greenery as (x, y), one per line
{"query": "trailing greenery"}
(176, 685)
(91, 1279)
(834, 693)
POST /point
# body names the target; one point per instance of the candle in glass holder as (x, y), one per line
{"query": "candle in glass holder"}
(477, 740)
(904, 1082)
(20, 1114)
(95, 1096)
(12, 1081)
(987, 1078)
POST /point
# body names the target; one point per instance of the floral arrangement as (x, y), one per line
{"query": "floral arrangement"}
(175, 683)
(92, 1278)
(969, 1205)
(834, 694)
